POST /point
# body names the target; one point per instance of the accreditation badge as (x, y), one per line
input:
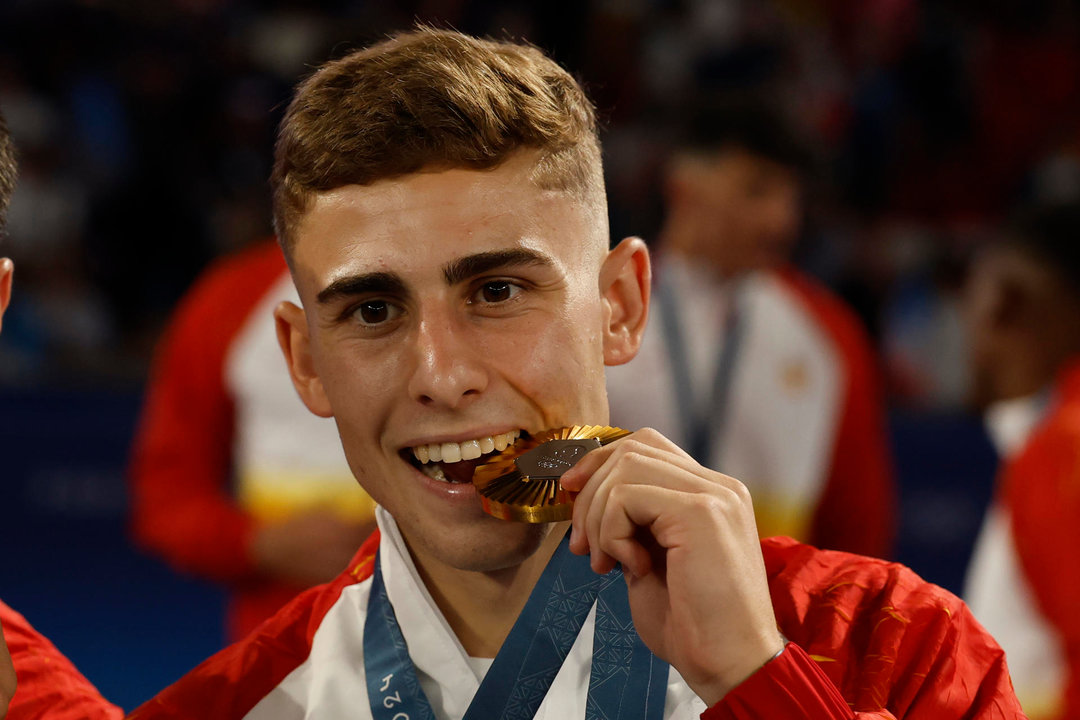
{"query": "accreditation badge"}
(521, 483)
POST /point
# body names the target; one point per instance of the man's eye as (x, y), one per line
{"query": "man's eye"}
(497, 291)
(375, 312)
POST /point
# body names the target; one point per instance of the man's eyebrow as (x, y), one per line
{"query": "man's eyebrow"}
(472, 265)
(352, 285)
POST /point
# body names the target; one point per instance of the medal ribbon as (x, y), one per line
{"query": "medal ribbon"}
(700, 424)
(626, 679)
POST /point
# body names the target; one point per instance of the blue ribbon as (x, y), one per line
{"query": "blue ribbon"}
(700, 424)
(626, 681)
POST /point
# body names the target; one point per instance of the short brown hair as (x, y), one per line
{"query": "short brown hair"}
(428, 100)
(7, 172)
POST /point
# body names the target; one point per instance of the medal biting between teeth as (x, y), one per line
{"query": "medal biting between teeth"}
(521, 483)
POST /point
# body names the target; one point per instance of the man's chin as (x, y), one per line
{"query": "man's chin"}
(494, 546)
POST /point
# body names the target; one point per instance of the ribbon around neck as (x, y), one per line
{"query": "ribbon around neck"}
(626, 679)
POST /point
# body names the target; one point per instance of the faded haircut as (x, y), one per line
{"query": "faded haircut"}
(7, 172)
(429, 100)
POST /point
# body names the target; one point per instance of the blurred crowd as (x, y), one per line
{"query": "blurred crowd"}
(145, 132)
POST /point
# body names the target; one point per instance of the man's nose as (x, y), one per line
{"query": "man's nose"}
(448, 369)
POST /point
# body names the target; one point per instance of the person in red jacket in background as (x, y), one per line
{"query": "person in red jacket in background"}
(36, 680)
(753, 367)
(231, 478)
(1023, 583)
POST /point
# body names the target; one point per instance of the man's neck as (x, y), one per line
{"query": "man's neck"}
(481, 607)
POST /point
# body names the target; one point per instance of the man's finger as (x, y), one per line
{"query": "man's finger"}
(633, 462)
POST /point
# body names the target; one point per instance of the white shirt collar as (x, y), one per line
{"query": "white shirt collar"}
(442, 666)
(1010, 422)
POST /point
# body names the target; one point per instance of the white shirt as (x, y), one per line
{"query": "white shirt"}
(331, 682)
(996, 589)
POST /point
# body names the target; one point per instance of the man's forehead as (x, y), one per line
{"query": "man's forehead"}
(403, 229)
(477, 197)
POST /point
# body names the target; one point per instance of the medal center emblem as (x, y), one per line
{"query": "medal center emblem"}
(554, 457)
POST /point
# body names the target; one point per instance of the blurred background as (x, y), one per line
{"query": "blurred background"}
(145, 134)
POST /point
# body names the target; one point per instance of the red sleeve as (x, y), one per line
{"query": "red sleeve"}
(789, 686)
(229, 684)
(857, 509)
(1042, 491)
(49, 686)
(181, 463)
(888, 643)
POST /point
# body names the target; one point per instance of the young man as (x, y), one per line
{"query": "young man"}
(748, 364)
(36, 680)
(440, 201)
(1024, 320)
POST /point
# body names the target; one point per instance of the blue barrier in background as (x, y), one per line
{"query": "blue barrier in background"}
(133, 626)
(945, 467)
(127, 621)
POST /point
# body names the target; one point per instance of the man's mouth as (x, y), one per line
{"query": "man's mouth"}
(454, 462)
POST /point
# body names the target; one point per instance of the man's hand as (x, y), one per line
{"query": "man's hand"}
(688, 544)
(309, 548)
(7, 676)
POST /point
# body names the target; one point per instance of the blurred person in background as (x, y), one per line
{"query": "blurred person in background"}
(1023, 308)
(750, 365)
(36, 680)
(232, 478)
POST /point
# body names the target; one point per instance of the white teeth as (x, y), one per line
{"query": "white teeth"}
(450, 452)
(470, 449)
(435, 472)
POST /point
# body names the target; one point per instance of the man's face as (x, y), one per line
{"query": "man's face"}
(747, 210)
(1020, 320)
(448, 309)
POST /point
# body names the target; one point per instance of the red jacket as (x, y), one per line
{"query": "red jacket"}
(182, 506)
(188, 468)
(869, 639)
(50, 688)
(1041, 489)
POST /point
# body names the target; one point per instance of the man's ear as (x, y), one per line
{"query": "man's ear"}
(7, 270)
(625, 285)
(295, 342)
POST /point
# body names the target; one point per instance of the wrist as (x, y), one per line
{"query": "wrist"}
(713, 689)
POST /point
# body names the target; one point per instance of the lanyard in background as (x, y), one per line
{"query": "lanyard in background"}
(700, 424)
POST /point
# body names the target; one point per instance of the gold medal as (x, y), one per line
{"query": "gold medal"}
(522, 482)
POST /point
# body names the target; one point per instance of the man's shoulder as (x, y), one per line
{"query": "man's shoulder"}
(834, 317)
(243, 274)
(876, 628)
(808, 582)
(221, 300)
(231, 682)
